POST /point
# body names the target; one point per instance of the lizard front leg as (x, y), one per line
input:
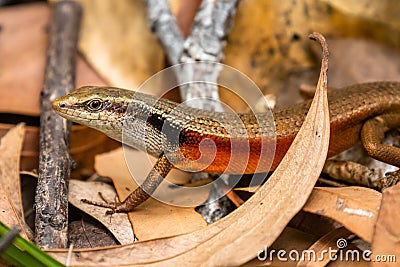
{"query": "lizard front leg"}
(160, 169)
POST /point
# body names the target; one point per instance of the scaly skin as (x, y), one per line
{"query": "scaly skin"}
(151, 124)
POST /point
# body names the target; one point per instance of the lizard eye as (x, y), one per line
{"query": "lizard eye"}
(94, 104)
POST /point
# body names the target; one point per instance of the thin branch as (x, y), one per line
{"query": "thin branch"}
(206, 42)
(164, 24)
(51, 200)
(209, 31)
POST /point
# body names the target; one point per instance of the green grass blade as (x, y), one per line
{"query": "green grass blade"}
(24, 253)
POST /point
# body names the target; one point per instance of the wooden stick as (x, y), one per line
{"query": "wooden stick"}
(164, 24)
(54, 161)
(206, 42)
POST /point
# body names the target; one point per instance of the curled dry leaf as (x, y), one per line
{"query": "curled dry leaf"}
(354, 207)
(385, 242)
(12, 212)
(257, 223)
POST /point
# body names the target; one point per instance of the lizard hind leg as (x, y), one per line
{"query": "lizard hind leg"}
(373, 135)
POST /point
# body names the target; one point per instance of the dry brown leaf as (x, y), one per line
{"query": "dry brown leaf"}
(116, 39)
(349, 263)
(153, 219)
(10, 152)
(352, 63)
(257, 223)
(312, 223)
(11, 200)
(383, 11)
(266, 42)
(23, 58)
(354, 207)
(118, 224)
(8, 215)
(334, 240)
(268, 37)
(290, 239)
(339, 18)
(386, 237)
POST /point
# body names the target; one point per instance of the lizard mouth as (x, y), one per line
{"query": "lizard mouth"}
(62, 108)
(62, 105)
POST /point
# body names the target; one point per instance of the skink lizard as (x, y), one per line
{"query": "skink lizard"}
(359, 112)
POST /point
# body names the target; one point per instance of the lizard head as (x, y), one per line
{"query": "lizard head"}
(116, 112)
(101, 108)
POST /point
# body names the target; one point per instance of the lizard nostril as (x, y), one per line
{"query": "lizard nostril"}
(61, 105)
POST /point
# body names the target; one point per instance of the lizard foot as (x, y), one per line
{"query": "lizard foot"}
(390, 179)
(105, 204)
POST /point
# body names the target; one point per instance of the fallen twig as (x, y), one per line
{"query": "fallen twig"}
(51, 200)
